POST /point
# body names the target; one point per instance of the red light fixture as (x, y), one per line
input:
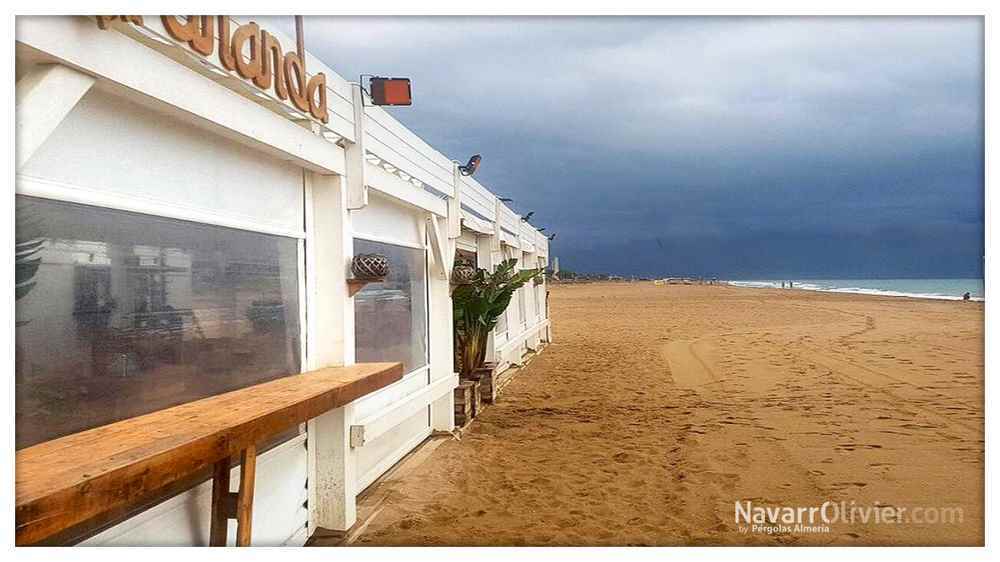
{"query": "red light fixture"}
(390, 91)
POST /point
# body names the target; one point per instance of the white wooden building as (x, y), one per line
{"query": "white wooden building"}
(182, 203)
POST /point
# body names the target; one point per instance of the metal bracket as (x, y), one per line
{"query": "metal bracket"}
(357, 436)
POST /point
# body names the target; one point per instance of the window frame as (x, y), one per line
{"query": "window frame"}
(427, 294)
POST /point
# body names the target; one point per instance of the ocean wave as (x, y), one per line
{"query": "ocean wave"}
(805, 286)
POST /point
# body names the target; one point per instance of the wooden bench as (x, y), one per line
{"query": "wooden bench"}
(66, 481)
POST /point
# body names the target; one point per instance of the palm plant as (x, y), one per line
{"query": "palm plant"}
(478, 305)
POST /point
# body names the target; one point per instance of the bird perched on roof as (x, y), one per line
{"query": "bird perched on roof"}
(553, 237)
(527, 217)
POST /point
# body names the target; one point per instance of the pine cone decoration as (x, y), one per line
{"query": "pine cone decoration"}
(463, 274)
(370, 267)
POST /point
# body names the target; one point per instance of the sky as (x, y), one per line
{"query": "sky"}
(736, 148)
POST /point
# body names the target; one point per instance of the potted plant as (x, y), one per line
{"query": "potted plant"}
(477, 307)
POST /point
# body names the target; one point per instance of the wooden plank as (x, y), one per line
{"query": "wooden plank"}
(244, 502)
(63, 482)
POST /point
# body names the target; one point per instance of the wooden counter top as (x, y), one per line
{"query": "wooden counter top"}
(64, 482)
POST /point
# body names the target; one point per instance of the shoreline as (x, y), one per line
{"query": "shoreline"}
(850, 291)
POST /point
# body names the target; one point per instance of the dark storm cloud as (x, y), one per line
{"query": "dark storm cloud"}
(732, 147)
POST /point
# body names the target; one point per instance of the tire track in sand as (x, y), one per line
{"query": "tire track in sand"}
(687, 367)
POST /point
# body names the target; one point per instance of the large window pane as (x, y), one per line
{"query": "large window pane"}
(390, 318)
(127, 314)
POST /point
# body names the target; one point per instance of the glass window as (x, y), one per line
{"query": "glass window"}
(390, 318)
(466, 257)
(121, 314)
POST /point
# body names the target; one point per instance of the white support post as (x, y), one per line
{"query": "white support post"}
(485, 259)
(44, 97)
(484, 251)
(515, 305)
(442, 356)
(495, 250)
(544, 301)
(329, 253)
(455, 205)
(332, 462)
(354, 154)
(333, 483)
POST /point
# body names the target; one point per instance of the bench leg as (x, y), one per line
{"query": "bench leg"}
(227, 505)
(244, 501)
(220, 503)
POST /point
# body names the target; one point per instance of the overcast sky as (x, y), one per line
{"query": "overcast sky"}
(736, 147)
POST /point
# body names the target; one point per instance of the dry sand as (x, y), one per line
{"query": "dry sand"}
(657, 408)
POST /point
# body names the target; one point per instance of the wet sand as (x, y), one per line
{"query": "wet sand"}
(658, 408)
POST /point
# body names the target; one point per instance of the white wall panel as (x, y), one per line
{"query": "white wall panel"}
(468, 241)
(384, 220)
(111, 145)
(477, 197)
(380, 454)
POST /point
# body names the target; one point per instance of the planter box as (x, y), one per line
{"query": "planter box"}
(488, 382)
(477, 398)
(464, 400)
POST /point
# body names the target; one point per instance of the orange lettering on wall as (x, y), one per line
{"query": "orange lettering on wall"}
(203, 41)
(295, 76)
(317, 107)
(181, 31)
(248, 69)
(271, 65)
(225, 53)
(266, 66)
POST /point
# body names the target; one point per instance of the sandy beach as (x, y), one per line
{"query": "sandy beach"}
(658, 408)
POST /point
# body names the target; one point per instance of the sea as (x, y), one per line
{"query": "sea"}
(946, 289)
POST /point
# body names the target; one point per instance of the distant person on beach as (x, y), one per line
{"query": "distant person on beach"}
(966, 296)
(790, 285)
(782, 284)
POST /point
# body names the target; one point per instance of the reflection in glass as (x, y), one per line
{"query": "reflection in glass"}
(127, 314)
(390, 318)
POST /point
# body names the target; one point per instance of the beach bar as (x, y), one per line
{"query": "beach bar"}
(206, 352)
